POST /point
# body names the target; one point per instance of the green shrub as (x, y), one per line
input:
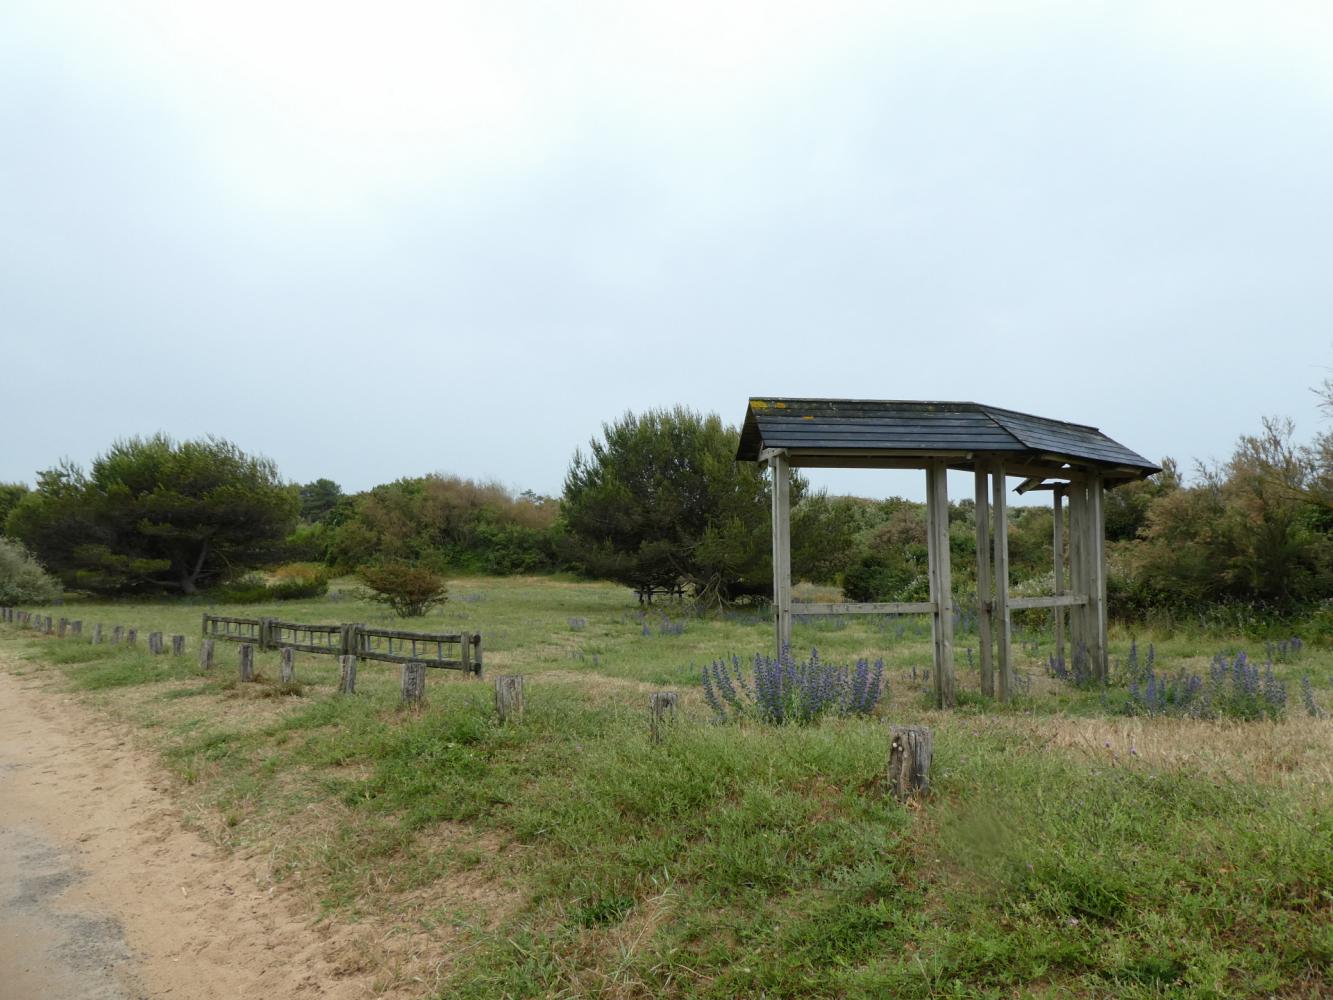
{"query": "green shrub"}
(22, 578)
(292, 583)
(410, 591)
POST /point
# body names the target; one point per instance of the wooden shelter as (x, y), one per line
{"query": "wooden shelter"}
(1072, 461)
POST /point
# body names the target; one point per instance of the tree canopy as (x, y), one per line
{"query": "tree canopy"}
(154, 514)
(659, 500)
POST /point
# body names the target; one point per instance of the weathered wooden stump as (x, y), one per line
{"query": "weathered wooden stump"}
(76, 627)
(247, 662)
(661, 712)
(131, 637)
(118, 634)
(509, 697)
(206, 654)
(155, 642)
(97, 634)
(910, 750)
(62, 627)
(414, 684)
(287, 665)
(50, 629)
(347, 675)
(178, 645)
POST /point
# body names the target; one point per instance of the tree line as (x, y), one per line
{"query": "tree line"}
(657, 500)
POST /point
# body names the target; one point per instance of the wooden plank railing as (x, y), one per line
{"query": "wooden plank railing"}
(446, 650)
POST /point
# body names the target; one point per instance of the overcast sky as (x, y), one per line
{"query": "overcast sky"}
(382, 239)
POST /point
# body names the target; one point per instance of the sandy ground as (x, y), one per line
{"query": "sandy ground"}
(104, 895)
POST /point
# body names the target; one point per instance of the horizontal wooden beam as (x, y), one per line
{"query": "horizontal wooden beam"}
(1057, 601)
(891, 608)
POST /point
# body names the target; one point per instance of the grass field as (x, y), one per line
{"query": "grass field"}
(1067, 849)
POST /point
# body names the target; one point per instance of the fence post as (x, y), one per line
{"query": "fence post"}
(247, 662)
(465, 652)
(97, 634)
(509, 697)
(909, 761)
(61, 626)
(203, 628)
(347, 675)
(476, 659)
(118, 634)
(414, 684)
(287, 665)
(155, 642)
(131, 637)
(206, 654)
(661, 712)
(76, 627)
(178, 645)
(50, 629)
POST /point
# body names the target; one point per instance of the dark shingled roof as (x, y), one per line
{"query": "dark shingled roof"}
(872, 427)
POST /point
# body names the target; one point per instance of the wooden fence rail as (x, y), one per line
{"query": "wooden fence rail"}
(447, 650)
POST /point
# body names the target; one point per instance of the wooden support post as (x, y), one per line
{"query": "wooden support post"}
(1078, 584)
(777, 462)
(476, 655)
(465, 652)
(1058, 563)
(985, 599)
(661, 712)
(1002, 623)
(206, 654)
(509, 697)
(413, 684)
(247, 662)
(76, 627)
(910, 751)
(50, 629)
(347, 675)
(1096, 572)
(941, 580)
(118, 634)
(97, 634)
(155, 642)
(178, 645)
(131, 637)
(61, 626)
(287, 665)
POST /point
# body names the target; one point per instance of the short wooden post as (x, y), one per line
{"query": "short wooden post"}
(206, 654)
(247, 662)
(465, 652)
(984, 597)
(118, 634)
(131, 637)
(287, 665)
(414, 683)
(910, 750)
(155, 642)
(50, 629)
(347, 675)
(509, 697)
(97, 634)
(76, 627)
(661, 712)
(476, 654)
(61, 626)
(178, 645)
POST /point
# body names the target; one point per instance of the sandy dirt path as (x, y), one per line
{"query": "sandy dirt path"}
(105, 895)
